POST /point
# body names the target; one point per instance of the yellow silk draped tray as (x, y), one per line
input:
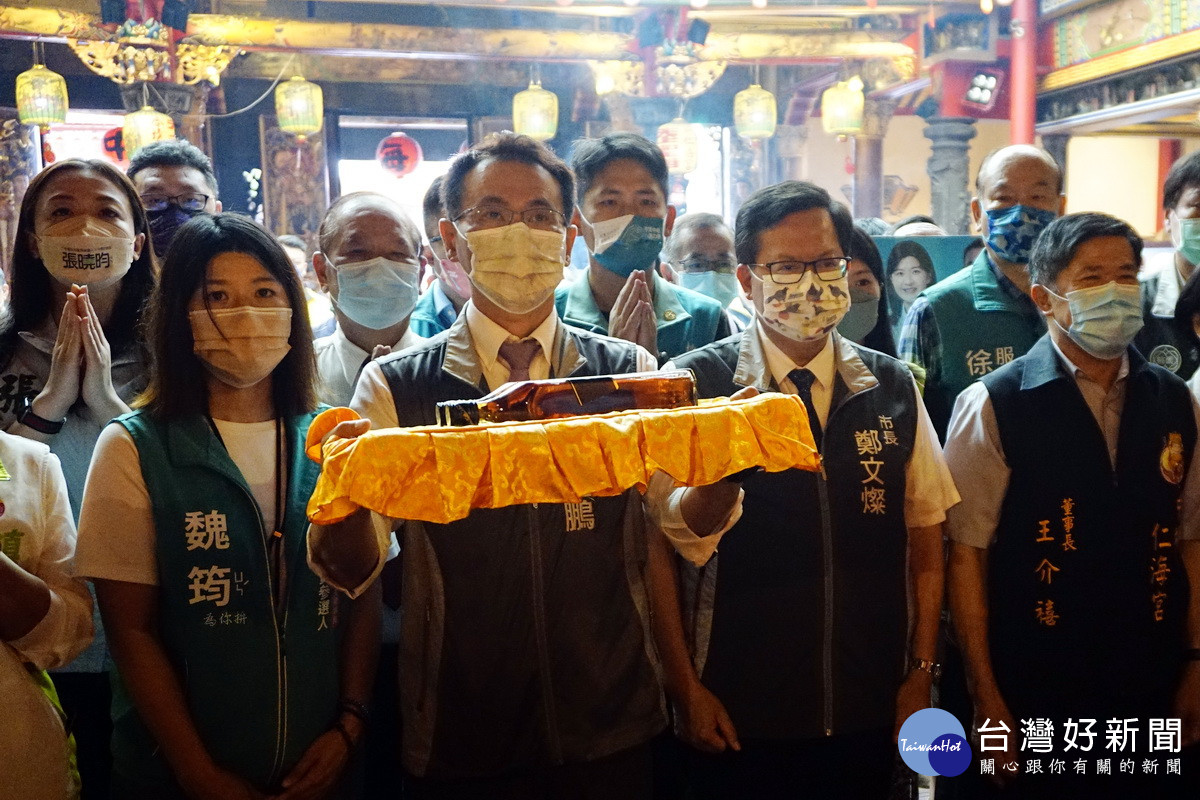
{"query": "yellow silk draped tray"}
(438, 474)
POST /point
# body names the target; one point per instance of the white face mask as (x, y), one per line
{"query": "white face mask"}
(806, 310)
(379, 293)
(515, 266)
(1104, 319)
(241, 346)
(85, 250)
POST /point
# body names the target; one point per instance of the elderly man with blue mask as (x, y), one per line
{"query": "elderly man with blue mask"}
(981, 317)
(699, 256)
(370, 264)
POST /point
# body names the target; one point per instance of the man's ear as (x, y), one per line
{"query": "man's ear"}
(977, 214)
(744, 278)
(319, 265)
(449, 238)
(217, 205)
(1062, 204)
(669, 224)
(1040, 297)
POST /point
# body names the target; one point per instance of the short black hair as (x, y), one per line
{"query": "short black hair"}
(431, 207)
(1030, 150)
(590, 156)
(178, 385)
(1057, 244)
(767, 207)
(1188, 304)
(173, 153)
(696, 221)
(506, 146)
(1183, 173)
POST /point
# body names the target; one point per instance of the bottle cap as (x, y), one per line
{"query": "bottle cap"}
(451, 413)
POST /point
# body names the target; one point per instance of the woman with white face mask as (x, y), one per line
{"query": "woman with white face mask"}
(238, 672)
(70, 361)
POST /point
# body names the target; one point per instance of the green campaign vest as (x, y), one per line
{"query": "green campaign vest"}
(982, 328)
(260, 687)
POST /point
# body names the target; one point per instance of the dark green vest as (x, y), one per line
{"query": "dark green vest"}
(982, 328)
(259, 687)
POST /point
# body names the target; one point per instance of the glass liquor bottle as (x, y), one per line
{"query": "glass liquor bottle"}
(571, 397)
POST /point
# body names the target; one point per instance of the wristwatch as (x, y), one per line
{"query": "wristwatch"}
(932, 667)
(29, 419)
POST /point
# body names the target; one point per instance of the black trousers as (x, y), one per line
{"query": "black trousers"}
(854, 766)
(625, 775)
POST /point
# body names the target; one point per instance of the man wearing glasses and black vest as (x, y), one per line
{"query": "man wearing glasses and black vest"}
(812, 634)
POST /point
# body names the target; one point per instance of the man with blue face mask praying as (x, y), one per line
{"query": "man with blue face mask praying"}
(981, 317)
(370, 264)
(624, 217)
(1079, 532)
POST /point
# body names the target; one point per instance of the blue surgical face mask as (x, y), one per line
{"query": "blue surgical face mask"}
(1104, 319)
(1012, 231)
(627, 243)
(1185, 236)
(722, 287)
(379, 293)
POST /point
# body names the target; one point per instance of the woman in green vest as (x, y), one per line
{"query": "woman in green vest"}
(239, 674)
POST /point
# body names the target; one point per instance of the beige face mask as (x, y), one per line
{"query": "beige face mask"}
(517, 267)
(241, 346)
(86, 251)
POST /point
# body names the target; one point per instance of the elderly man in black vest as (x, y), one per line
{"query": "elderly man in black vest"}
(800, 653)
(1077, 536)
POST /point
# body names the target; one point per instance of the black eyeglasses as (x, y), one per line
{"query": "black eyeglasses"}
(188, 202)
(540, 217)
(826, 269)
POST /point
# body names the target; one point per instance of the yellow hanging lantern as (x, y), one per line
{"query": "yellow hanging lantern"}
(145, 126)
(754, 113)
(535, 112)
(680, 148)
(842, 108)
(299, 107)
(41, 97)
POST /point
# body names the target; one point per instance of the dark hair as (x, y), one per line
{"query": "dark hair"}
(1188, 304)
(1058, 242)
(178, 385)
(431, 207)
(696, 221)
(1183, 173)
(862, 248)
(767, 207)
(593, 155)
(330, 229)
(906, 249)
(507, 146)
(1028, 150)
(173, 153)
(33, 297)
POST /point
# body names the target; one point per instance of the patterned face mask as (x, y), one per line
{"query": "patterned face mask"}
(1012, 231)
(807, 309)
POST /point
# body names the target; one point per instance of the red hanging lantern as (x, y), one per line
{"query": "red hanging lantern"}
(114, 146)
(399, 154)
